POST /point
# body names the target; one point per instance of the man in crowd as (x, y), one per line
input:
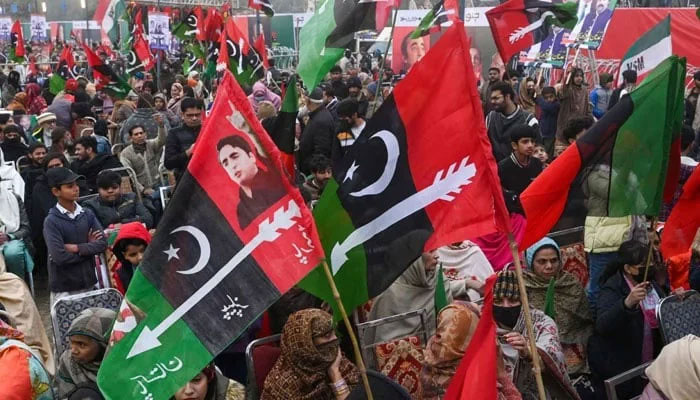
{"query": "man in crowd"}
(355, 92)
(61, 105)
(339, 87)
(330, 101)
(47, 123)
(693, 112)
(36, 154)
(12, 146)
(89, 163)
(505, 116)
(143, 156)
(629, 82)
(179, 144)
(493, 77)
(600, 96)
(573, 99)
(317, 137)
(320, 167)
(521, 168)
(143, 116)
(549, 106)
(350, 126)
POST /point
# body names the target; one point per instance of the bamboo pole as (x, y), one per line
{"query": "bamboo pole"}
(353, 339)
(651, 250)
(528, 318)
(381, 67)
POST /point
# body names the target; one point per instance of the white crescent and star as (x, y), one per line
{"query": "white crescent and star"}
(392, 152)
(204, 249)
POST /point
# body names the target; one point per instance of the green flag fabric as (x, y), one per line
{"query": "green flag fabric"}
(549, 307)
(440, 296)
(431, 21)
(112, 20)
(56, 84)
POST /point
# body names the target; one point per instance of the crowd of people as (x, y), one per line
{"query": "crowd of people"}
(82, 164)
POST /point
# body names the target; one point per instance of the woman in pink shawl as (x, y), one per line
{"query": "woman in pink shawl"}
(262, 93)
(36, 103)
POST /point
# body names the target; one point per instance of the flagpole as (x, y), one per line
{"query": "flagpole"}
(381, 68)
(651, 249)
(528, 318)
(353, 339)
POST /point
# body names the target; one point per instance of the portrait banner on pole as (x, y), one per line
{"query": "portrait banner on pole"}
(159, 35)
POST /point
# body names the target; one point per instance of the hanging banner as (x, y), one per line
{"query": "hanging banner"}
(5, 27)
(593, 19)
(38, 28)
(551, 52)
(159, 35)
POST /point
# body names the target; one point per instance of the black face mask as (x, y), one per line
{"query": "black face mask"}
(344, 126)
(639, 276)
(506, 316)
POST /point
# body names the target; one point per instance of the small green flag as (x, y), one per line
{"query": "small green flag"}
(186, 67)
(56, 84)
(431, 22)
(549, 307)
(440, 296)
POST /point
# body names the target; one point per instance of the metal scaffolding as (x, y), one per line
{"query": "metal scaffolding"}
(235, 4)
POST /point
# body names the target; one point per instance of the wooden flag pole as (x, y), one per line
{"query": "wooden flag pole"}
(381, 68)
(651, 250)
(528, 318)
(353, 339)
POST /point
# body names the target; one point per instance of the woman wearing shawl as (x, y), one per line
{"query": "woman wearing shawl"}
(527, 95)
(79, 364)
(675, 374)
(14, 229)
(176, 92)
(311, 365)
(465, 260)
(262, 93)
(19, 103)
(512, 336)
(23, 375)
(210, 384)
(626, 329)
(570, 306)
(36, 103)
(10, 87)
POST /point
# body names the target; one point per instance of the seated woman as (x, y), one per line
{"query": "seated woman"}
(465, 260)
(112, 207)
(14, 230)
(413, 290)
(511, 332)
(210, 385)
(23, 374)
(675, 374)
(626, 329)
(569, 309)
(78, 365)
(311, 365)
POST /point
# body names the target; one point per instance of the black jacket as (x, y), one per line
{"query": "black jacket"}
(616, 344)
(41, 202)
(178, 141)
(91, 168)
(30, 175)
(13, 150)
(499, 125)
(317, 137)
(125, 209)
(515, 179)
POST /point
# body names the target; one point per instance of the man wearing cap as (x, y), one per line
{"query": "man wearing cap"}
(47, 123)
(317, 137)
(61, 105)
(73, 237)
(350, 126)
(355, 92)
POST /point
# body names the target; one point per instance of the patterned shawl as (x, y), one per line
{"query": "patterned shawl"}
(95, 323)
(301, 371)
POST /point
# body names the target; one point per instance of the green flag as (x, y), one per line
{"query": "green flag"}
(111, 21)
(440, 296)
(432, 21)
(56, 84)
(549, 307)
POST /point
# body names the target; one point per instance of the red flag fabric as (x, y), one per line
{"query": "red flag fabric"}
(684, 220)
(477, 372)
(201, 31)
(259, 46)
(222, 62)
(32, 67)
(17, 39)
(67, 57)
(383, 12)
(213, 25)
(138, 23)
(143, 52)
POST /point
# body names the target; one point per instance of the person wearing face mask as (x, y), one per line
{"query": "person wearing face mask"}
(511, 333)
(626, 329)
(12, 146)
(570, 308)
(262, 93)
(311, 365)
(526, 96)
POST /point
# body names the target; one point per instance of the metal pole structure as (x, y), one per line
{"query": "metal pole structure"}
(87, 25)
(257, 24)
(159, 54)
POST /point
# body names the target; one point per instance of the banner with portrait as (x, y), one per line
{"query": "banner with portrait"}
(5, 28)
(159, 35)
(551, 52)
(39, 28)
(593, 19)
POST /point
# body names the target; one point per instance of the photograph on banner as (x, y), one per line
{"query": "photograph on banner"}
(38, 28)
(159, 35)
(5, 28)
(551, 52)
(593, 19)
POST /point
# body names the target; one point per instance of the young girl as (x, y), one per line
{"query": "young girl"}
(128, 248)
(541, 154)
(88, 336)
(210, 385)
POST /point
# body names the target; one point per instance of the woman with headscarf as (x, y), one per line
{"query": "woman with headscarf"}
(18, 103)
(14, 229)
(262, 93)
(10, 87)
(511, 333)
(176, 93)
(210, 384)
(88, 336)
(465, 260)
(526, 95)
(569, 307)
(413, 290)
(36, 103)
(311, 365)
(675, 374)
(626, 329)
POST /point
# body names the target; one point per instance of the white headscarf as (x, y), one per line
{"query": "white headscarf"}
(10, 179)
(676, 372)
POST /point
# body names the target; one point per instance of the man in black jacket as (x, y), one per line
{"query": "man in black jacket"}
(180, 141)
(505, 116)
(521, 168)
(318, 134)
(89, 164)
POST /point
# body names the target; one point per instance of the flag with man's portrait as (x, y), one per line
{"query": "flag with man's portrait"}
(208, 274)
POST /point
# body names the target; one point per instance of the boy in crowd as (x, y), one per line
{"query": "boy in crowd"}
(521, 168)
(112, 207)
(320, 173)
(540, 153)
(73, 237)
(549, 106)
(129, 247)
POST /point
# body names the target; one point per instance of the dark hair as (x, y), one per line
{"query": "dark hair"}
(522, 131)
(108, 179)
(630, 252)
(190, 102)
(35, 146)
(575, 71)
(495, 69)
(100, 127)
(575, 125)
(120, 247)
(505, 88)
(58, 133)
(187, 92)
(328, 90)
(136, 126)
(348, 107)
(234, 141)
(336, 69)
(145, 101)
(52, 156)
(549, 90)
(87, 141)
(149, 84)
(687, 137)
(511, 73)
(12, 128)
(630, 76)
(696, 75)
(319, 163)
(354, 82)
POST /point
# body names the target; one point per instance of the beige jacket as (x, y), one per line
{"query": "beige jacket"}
(145, 164)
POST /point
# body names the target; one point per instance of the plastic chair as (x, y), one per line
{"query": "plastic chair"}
(22, 163)
(628, 375)
(679, 315)
(166, 192)
(129, 182)
(117, 148)
(66, 309)
(260, 356)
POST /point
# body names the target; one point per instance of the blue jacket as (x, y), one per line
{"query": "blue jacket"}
(70, 271)
(600, 98)
(548, 118)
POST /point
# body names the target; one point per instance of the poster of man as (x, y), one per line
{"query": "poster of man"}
(594, 17)
(5, 27)
(159, 31)
(550, 52)
(38, 28)
(407, 51)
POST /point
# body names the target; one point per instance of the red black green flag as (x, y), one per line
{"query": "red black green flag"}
(16, 43)
(105, 77)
